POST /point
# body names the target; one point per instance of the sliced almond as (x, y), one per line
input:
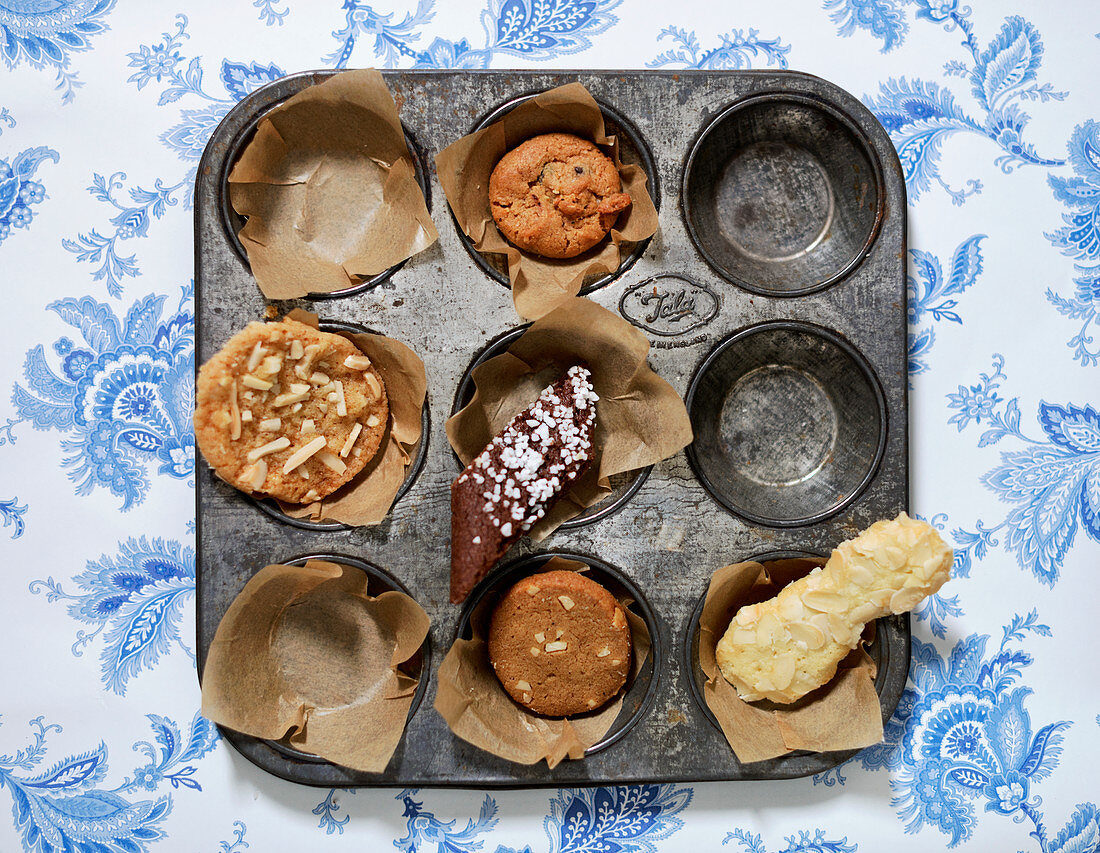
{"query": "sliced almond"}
(357, 362)
(374, 385)
(255, 474)
(566, 602)
(372, 421)
(332, 461)
(352, 436)
(535, 651)
(246, 416)
(532, 589)
(281, 443)
(591, 703)
(341, 404)
(312, 495)
(824, 601)
(526, 698)
(604, 652)
(296, 350)
(307, 426)
(783, 671)
(302, 472)
(860, 575)
(905, 600)
(255, 356)
(618, 620)
(770, 629)
(303, 453)
(841, 631)
(317, 378)
(540, 637)
(322, 408)
(271, 425)
(747, 615)
(557, 646)
(790, 608)
(271, 365)
(558, 633)
(250, 381)
(806, 634)
(290, 397)
(743, 636)
(297, 407)
(524, 686)
(234, 414)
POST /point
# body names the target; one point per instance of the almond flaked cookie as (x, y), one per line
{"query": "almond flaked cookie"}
(560, 644)
(783, 648)
(288, 411)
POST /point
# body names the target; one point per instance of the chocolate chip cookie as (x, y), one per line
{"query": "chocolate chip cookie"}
(556, 195)
(560, 644)
(288, 411)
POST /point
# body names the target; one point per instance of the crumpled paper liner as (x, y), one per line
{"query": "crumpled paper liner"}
(540, 284)
(478, 710)
(640, 419)
(305, 650)
(329, 189)
(843, 714)
(367, 498)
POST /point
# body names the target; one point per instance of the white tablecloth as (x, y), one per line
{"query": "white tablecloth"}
(104, 110)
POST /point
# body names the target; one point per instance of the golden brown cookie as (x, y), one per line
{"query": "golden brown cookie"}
(556, 195)
(560, 644)
(288, 411)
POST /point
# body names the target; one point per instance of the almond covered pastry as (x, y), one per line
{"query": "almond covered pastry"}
(783, 648)
(288, 411)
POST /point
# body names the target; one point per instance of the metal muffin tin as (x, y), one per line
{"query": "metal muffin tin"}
(773, 294)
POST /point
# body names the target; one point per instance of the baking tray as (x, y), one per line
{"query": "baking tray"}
(774, 284)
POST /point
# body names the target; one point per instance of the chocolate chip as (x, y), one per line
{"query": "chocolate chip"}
(579, 170)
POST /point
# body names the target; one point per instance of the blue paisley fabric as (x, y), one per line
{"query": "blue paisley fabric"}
(105, 109)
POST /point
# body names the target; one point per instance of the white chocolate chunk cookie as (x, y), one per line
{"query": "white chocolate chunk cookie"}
(288, 411)
(783, 648)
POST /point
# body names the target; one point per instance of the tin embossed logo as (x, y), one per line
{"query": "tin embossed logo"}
(669, 304)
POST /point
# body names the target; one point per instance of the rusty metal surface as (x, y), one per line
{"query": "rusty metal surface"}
(671, 534)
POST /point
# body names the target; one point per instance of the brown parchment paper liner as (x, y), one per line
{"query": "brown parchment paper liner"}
(640, 419)
(540, 284)
(478, 710)
(329, 189)
(305, 651)
(843, 714)
(367, 498)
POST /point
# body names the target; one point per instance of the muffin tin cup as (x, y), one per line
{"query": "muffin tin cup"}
(233, 222)
(633, 150)
(623, 486)
(888, 648)
(790, 423)
(783, 194)
(640, 689)
(271, 507)
(666, 539)
(278, 756)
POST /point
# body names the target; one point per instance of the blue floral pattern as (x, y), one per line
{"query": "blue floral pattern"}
(123, 398)
(735, 50)
(920, 115)
(933, 294)
(1054, 481)
(804, 842)
(137, 597)
(47, 34)
(883, 19)
(65, 807)
(1079, 238)
(11, 513)
(18, 191)
(962, 733)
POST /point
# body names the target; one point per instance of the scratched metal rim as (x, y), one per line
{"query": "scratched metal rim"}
(232, 221)
(388, 582)
(645, 160)
(699, 468)
(889, 649)
(271, 507)
(597, 512)
(606, 575)
(860, 138)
